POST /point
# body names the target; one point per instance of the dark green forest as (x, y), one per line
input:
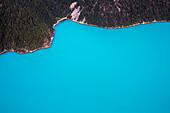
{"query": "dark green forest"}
(28, 24)
(105, 13)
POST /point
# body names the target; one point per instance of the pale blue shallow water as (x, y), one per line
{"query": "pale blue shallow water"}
(91, 70)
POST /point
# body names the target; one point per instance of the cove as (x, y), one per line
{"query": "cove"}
(91, 70)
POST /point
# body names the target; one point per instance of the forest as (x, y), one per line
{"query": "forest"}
(28, 24)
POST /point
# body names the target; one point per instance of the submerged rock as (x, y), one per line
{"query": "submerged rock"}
(27, 25)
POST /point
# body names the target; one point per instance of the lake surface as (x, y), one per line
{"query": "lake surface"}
(91, 70)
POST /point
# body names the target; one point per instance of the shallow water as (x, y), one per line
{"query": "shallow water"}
(91, 70)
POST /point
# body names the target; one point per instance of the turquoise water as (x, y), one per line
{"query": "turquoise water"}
(91, 70)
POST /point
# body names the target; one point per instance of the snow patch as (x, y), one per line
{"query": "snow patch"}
(76, 13)
(84, 19)
(117, 5)
(73, 5)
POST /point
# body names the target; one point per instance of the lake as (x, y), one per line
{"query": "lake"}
(91, 70)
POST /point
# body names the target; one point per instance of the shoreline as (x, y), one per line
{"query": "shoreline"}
(65, 18)
(119, 26)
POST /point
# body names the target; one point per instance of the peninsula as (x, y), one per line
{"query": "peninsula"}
(28, 25)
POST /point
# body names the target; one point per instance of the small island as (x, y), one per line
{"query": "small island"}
(28, 25)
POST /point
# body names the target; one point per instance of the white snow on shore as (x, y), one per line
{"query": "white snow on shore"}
(73, 5)
(76, 13)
